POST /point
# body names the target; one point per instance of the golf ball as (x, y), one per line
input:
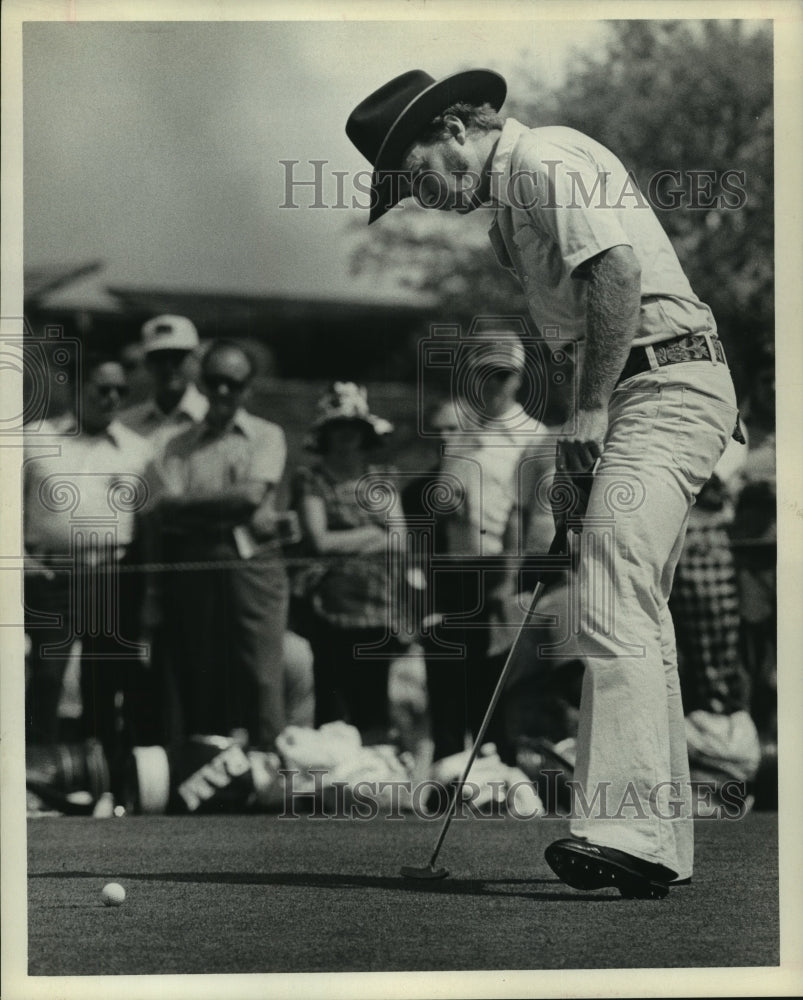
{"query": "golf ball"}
(113, 894)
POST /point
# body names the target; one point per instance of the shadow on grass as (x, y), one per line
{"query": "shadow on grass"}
(328, 880)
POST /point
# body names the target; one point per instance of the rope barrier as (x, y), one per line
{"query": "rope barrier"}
(529, 560)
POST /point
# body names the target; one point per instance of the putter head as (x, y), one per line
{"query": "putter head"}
(427, 873)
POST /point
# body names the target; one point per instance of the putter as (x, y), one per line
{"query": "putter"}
(429, 872)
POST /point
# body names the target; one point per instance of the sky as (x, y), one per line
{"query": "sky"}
(157, 147)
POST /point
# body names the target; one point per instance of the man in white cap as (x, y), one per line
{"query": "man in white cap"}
(169, 343)
(654, 401)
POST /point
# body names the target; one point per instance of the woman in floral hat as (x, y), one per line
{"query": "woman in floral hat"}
(343, 500)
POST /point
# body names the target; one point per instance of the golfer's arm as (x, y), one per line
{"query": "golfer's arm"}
(612, 313)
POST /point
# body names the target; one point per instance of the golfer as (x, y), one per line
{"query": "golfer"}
(653, 397)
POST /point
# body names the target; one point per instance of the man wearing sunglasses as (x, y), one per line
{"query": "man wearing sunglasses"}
(215, 488)
(82, 484)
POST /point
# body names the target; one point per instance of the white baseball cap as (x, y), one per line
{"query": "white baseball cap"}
(169, 333)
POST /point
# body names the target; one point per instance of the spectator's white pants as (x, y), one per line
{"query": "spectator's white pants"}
(667, 429)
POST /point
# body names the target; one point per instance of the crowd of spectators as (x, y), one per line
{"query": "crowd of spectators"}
(156, 554)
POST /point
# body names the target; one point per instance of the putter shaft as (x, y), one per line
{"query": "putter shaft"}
(500, 684)
(559, 544)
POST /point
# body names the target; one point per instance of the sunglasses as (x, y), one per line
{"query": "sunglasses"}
(215, 382)
(166, 358)
(107, 390)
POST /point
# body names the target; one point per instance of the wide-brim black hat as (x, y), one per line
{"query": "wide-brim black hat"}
(388, 121)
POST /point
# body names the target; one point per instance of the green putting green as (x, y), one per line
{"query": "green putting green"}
(250, 894)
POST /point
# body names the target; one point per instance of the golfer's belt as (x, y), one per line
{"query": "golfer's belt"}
(691, 347)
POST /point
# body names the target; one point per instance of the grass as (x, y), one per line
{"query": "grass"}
(247, 894)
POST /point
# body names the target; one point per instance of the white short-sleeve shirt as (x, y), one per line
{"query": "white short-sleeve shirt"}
(562, 199)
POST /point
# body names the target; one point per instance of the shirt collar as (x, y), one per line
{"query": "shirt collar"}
(240, 423)
(512, 131)
(502, 423)
(113, 433)
(193, 404)
(66, 423)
